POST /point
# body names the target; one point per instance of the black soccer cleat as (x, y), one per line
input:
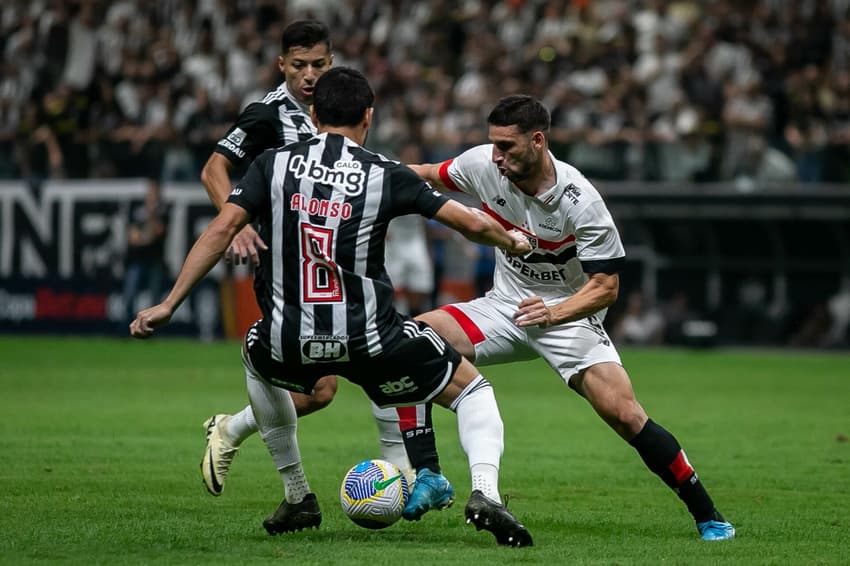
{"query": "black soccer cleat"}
(486, 514)
(291, 517)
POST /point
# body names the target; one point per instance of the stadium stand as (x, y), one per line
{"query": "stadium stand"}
(744, 104)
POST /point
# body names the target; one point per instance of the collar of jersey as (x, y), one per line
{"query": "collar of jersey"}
(305, 108)
(554, 193)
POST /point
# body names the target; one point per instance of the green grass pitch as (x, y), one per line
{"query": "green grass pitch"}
(101, 440)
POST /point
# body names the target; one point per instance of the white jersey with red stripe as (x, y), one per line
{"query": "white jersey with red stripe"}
(569, 226)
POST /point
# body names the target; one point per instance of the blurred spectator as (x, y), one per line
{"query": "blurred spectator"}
(144, 270)
(63, 117)
(408, 261)
(746, 117)
(815, 329)
(839, 311)
(683, 152)
(641, 323)
(82, 47)
(676, 313)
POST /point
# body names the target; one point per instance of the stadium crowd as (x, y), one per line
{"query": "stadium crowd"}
(746, 92)
(671, 90)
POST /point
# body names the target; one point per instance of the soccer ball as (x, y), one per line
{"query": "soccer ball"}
(373, 494)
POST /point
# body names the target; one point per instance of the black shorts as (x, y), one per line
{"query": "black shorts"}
(412, 370)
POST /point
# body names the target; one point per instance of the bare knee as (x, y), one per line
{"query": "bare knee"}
(323, 393)
(609, 391)
(450, 330)
(627, 419)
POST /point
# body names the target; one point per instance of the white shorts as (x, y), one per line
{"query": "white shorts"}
(568, 348)
(409, 266)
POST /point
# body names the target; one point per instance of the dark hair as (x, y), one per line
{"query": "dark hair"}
(304, 33)
(520, 110)
(341, 97)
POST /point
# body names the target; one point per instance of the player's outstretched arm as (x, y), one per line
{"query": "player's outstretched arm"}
(431, 173)
(203, 256)
(215, 176)
(478, 227)
(598, 292)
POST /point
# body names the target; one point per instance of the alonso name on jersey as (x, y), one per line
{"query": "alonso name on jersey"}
(323, 206)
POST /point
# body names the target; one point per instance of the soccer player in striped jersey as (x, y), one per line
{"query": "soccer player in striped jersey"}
(551, 302)
(283, 117)
(323, 206)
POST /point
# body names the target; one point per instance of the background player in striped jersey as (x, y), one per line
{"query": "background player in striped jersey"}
(323, 206)
(280, 118)
(551, 302)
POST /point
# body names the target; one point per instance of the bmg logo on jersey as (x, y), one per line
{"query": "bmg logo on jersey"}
(352, 180)
(324, 350)
(403, 385)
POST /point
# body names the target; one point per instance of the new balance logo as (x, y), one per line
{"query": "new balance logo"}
(403, 385)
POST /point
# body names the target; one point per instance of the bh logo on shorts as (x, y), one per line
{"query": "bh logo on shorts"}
(324, 350)
(403, 385)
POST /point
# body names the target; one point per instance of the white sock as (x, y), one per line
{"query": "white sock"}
(275, 415)
(283, 446)
(241, 425)
(485, 478)
(481, 434)
(392, 444)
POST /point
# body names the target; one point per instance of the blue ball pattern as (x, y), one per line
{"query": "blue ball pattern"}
(367, 505)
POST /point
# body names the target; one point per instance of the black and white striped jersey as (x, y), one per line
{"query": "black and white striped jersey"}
(276, 120)
(323, 206)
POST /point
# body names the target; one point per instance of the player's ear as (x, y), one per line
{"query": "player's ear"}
(313, 116)
(367, 117)
(281, 63)
(539, 138)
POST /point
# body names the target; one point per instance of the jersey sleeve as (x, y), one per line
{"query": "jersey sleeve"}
(254, 132)
(598, 244)
(466, 171)
(412, 195)
(252, 191)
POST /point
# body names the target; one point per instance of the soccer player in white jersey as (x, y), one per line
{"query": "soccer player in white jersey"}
(280, 118)
(551, 302)
(326, 203)
(408, 260)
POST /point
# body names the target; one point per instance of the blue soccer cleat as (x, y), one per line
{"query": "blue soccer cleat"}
(430, 491)
(716, 530)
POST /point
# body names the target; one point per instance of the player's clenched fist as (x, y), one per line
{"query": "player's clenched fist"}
(521, 245)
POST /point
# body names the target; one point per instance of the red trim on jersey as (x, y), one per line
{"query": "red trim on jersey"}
(469, 328)
(541, 243)
(406, 418)
(681, 468)
(444, 175)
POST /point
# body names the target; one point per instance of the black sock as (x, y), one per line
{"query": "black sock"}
(663, 455)
(420, 442)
